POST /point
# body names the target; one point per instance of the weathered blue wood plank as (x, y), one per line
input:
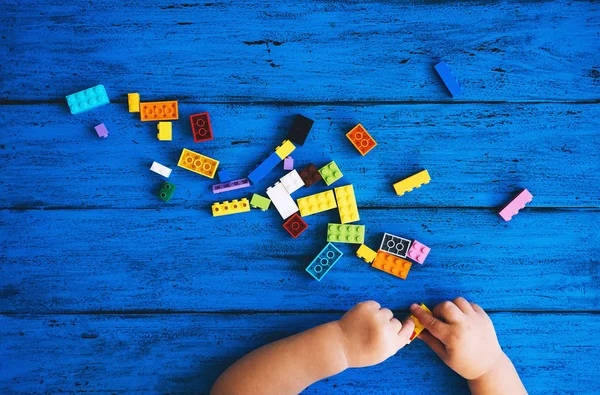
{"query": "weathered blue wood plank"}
(477, 155)
(185, 260)
(185, 353)
(294, 51)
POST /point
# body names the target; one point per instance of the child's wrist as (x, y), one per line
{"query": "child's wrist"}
(495, 367)
(338, 334)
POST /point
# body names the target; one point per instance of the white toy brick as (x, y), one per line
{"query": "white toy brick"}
(282, 200)
(292, 181)
(160, 169)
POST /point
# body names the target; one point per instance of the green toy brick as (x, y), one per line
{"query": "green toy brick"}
(87, 99)
(330, 173)
(353, 234)
(166, 192)
(260, 202)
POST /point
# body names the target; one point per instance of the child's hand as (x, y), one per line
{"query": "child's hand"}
(462, 335)
(372, 334)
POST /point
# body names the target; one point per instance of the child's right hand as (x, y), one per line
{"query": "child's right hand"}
(462, 335)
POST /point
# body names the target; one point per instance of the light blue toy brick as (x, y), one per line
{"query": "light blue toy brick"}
(319, 267)
(264, 168)
(87, 99)
(446, 75)
(224, 176)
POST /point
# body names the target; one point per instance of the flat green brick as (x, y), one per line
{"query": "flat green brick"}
(260, 202)
(166, 192)
(353, 234)
(330, 173)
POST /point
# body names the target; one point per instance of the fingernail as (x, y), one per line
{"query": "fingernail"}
(413, 306)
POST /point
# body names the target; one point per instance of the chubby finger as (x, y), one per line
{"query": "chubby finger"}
(476, 307)
(408, 327)
(386, 313)
(439, 329)
(448, 311)
(463, 305)
(370, 304)
(396, 325)
(435, 344)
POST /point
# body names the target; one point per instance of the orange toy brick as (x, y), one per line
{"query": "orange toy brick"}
(361, 139)
(159, 111)
(392, 264)
(198, 163)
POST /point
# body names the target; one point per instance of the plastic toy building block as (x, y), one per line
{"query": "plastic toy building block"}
(361, 139)
(366, 253)
(316, 203)
(288, 163)
(165, 131)
(292, 181)
(392, 264)
(300, 129)
(159, 111)
(223, 176)
(515, 205)
(418, 326)
(330, 173)
(295, 225)
(446, 75)
(166, 192)
(160, 169)
(282, 200)
(197, 163)
(231, 185)
(233, 207)
(352, 234)
(319, 266)
(260, 202)
(101, 131)
(201, 128)
(285, 149)
(412, 182)
(310, 175)
(346, 202)
(133, 100)
(264, 168)
(87, 99)
(418, 252)
(394, 245)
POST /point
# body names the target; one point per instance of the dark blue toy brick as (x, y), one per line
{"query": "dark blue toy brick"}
(446, 75)
(264, 168)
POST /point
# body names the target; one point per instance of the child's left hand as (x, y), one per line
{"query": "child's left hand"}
(372, 334)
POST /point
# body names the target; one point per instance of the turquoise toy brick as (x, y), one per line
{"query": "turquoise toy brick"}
(319, 267)
(166, 192)
(353, 234)
(330, 173)
(87, 99)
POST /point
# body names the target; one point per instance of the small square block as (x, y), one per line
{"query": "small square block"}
(361, 139)
(366, 253)
(330, 173)
(101, 131)
(321, 265)
(292, 181)
(295, 225)
(418, 252)
(288, 163)
(166, 192)
(260, 202)
(395, 245)
(201, 128)
(300, 129)
(223, 176)
(310, 175)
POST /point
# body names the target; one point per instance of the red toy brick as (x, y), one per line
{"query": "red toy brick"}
(201, 128)
(310, 174)
(295, 225)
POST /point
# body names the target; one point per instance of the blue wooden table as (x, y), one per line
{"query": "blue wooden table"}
(104, 288)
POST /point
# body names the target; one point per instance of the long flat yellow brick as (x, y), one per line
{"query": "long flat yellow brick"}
(412, 182)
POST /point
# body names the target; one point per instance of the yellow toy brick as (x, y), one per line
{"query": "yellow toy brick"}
(418, 326)
(233, 207)
(346, 202)
(392, 264)
(159, 111)
(412, 182)
(133, 99)
(316, 203)
(165, 131)
(197, 163)
(285, 149)
(366, 253)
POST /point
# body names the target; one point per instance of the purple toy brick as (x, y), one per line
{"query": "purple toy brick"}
(231, 185)
(288, 163)
(418, 252)
(101, 130)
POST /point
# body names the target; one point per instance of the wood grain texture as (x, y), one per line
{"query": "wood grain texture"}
(477, 155)
(294, 51)
(185, 353)
(184, 260)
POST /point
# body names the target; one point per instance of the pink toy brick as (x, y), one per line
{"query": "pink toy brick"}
(418, 252)
(101, 130)
(288, 163)
(515, 205)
